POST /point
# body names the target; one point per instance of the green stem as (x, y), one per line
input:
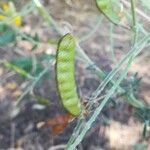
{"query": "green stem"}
(134, 22)
(29, 89)
(87, 36)
(111, 42)
(47, 18)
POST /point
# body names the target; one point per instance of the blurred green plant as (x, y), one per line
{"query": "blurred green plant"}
(42, 100)
(144, 115)
(7, 34)
(140, 147)
(26, 64)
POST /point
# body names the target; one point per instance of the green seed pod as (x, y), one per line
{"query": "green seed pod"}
(105, 6)
(65, 74)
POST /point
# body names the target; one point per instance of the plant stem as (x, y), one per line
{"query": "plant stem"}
(140, 12)
(47, 18)
(134, 22)
(111, 43)
(29, 89)
(87, 36)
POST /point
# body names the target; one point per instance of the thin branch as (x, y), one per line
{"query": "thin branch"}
(141, 13)
(134, 22)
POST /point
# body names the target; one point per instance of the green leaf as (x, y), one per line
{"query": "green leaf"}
(7, 34)
(144, 115)
(145, 131)
(133, 101)
(26, 63)
(53, 41)
(42, 100)
(16, 69)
